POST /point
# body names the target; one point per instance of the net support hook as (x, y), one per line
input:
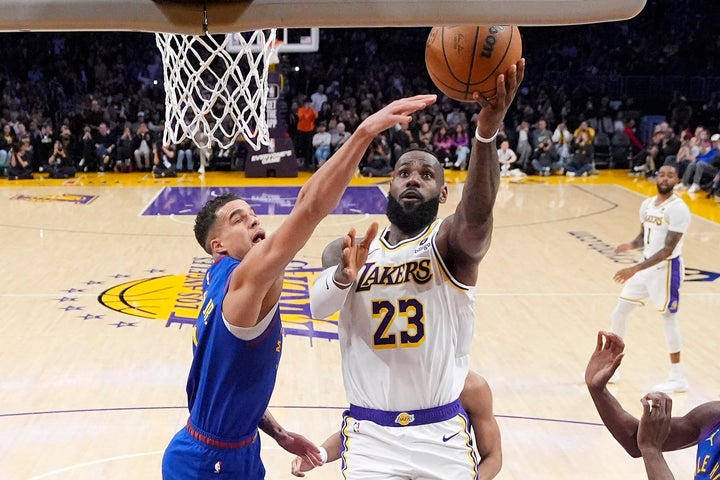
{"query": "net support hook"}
(205, 18)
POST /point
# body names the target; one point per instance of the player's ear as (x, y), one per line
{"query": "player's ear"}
(216, 246)
(443, 194)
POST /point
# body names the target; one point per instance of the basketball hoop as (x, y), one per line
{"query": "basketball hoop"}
(212, 95)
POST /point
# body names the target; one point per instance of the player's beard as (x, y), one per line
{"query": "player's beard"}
(414, 219)
(664, 189)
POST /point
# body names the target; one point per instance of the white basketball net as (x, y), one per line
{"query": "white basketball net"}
(213, 96)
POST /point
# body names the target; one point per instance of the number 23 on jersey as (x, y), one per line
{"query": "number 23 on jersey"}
(390, 317)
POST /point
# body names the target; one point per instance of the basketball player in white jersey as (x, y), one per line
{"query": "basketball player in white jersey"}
(407, 313)
(476, 399)
(664, 219)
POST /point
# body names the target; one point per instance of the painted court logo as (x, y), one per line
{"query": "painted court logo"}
(62, 198)
(176, 299)
(602, 247)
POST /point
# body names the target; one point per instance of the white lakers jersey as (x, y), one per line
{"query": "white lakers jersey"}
(406, 328)
(672, 215)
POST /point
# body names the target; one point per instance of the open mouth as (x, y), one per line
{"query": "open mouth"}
(411, 195)
(258, 237)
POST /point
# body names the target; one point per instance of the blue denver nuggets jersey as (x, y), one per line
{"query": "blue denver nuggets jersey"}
(708, 453)
(231, 380)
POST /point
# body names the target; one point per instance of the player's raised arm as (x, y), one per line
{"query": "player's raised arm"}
(465, 237)
(265, 263)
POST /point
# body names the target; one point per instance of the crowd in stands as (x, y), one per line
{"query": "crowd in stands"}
(95, 101)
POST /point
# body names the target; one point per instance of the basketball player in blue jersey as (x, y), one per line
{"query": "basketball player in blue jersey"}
(664, 219)
(407, 312)
(656, 431)
(238, 336)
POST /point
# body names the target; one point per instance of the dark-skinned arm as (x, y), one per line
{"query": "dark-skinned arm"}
(260, 274)
(671, 241)
(633, 244)
(464, 238)
(623, 426)
(477, 400)
(652, 434)
(602, 365)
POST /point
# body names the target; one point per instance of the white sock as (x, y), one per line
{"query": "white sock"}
(619, 317)
(676, 370)
(671, 326)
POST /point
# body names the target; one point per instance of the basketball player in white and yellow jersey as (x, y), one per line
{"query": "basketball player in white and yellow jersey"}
(664, 219)
(407, 316)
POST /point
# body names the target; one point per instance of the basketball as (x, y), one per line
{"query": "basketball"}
(462, 60)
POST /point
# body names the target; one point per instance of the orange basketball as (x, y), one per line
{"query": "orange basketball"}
(466, 59)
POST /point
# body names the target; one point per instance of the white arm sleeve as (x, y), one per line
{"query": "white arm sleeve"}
(326, 297)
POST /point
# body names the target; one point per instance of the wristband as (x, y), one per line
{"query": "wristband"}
(341, 286)
(326, 297)
(483, 139)
(323, 455)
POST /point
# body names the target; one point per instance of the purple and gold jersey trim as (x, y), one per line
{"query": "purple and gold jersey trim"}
(446, 273)
(675, 274)
(403, 419)
(417, 238)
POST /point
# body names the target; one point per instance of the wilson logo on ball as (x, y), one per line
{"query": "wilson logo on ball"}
(490, 42)
(463, 60)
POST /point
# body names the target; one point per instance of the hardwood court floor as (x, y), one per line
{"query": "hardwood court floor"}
(99, 288)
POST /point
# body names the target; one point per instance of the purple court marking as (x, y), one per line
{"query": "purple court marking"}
(264, 200)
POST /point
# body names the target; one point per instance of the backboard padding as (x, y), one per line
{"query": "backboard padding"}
(227, 17)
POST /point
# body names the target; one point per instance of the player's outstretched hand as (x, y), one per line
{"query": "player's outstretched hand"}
(300, 465)
(302, 447)
(655, 421)
(396, 112)
(605, 360)
(494, 108)
(354, 254)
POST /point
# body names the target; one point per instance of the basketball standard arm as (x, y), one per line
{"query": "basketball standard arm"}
(464, 238)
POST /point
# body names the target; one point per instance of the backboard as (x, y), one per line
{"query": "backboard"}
(290, 40)
(227, 16)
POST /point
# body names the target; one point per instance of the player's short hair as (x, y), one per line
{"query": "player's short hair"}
(672, 164)
(421, 149)
(207, 215)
